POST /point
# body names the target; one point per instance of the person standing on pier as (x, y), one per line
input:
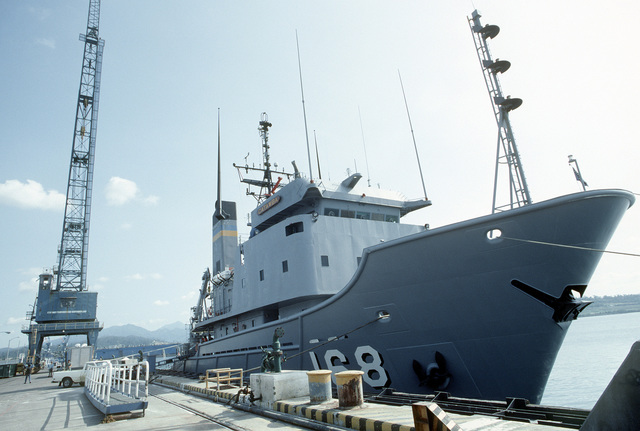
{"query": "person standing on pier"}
(27, 374)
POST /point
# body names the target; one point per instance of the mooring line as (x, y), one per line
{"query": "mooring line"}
(570, 246)
(330, 340)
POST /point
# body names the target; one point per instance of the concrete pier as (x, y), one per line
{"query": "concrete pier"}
(183, 403)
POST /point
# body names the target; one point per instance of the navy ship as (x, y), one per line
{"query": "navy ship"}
(478, 308)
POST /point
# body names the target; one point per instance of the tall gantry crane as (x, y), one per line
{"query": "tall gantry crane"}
(63, 305)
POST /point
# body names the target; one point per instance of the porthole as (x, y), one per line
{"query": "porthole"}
(494, 234)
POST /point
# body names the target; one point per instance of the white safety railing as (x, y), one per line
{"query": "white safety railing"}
(129, 378)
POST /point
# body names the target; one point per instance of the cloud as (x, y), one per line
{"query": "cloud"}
(121, 191)
(193, 294)
(32, 274)
(49, 43)
(160, 303)
(41, 13)
(28, 286)
(151, 200)
(15, 320)
(138, 276)
(30, 195)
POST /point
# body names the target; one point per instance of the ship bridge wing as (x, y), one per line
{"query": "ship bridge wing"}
(408, 206)
(289, 200)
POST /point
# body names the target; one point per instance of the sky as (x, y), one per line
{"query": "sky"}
(168, 66)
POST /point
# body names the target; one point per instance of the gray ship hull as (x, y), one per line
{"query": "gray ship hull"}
(458, 318)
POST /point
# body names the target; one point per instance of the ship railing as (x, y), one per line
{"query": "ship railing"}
(59, 326)
(224, 377)
(97, 380)
(104, 378)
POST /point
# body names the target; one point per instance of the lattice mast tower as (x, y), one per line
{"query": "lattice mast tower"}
(74, 245)
(64, 306)
(507, 156)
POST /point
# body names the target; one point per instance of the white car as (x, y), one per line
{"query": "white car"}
(67, 378)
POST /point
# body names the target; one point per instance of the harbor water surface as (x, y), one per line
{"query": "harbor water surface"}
(592, 351)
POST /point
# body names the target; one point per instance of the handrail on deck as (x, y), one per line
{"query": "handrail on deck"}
(128, 378)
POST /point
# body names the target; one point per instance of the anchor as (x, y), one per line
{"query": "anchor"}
(565, 308)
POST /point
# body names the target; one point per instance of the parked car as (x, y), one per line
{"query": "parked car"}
(67, 378)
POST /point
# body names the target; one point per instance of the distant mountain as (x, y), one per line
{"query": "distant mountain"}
(172, 333)
(611, 305)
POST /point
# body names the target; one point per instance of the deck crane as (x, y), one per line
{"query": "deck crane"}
(64, 306)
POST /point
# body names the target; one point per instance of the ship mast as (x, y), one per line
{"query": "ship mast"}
(507, 155)
(266, 185)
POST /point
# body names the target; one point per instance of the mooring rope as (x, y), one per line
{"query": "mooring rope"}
(570, 246)
(330, 340)
(383, 316)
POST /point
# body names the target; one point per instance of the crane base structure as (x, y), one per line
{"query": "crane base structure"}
(61, 313)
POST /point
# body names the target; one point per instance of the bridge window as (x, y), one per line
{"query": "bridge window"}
(377, 217)
(391, 218)
(294, 228)
(347, 214)
(332, 212)
(363, 215)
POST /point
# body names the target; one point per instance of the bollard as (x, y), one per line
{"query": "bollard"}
(319, 386)
(349, 389)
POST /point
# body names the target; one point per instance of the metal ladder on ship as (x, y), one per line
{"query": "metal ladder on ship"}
(507, 152)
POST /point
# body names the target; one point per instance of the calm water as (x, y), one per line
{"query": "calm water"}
(592, 351)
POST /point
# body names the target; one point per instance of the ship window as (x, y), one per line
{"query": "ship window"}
(363, 215)
(391, 218)
(377, 217)
(294, 228)
(347, 214)
(324, 260)
(262, 275)
(333, 212)
(285, 266)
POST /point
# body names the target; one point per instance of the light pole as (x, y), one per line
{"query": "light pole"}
(8, 347)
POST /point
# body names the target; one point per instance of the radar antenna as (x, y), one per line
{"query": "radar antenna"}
(507, 152)
(266, 184)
